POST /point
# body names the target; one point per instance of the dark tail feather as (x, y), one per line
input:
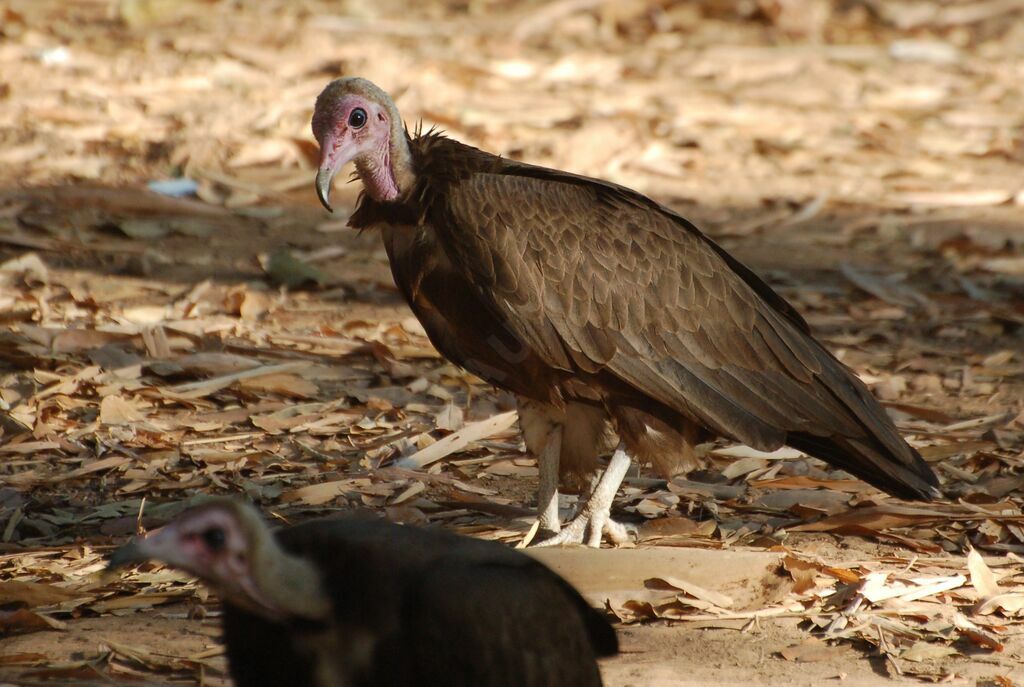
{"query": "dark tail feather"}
(906, 477)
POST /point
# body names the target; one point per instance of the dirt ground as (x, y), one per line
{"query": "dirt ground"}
(864, 157)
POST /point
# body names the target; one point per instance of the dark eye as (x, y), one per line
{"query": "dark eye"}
(357, 118)
(214, 538)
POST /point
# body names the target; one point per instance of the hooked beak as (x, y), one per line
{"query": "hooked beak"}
(129, 554)
(324, 177)
(336, 150)
(154, 545)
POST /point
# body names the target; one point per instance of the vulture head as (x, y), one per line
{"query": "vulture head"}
(355, 121)
(225, 543)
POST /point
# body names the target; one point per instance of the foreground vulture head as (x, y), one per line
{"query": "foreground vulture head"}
(354, 601)
(616, 322)
(227, 544)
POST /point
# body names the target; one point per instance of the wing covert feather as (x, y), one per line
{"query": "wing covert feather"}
(634, 290)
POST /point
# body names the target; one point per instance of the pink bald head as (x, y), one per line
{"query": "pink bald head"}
(354, 120)
(226, 543)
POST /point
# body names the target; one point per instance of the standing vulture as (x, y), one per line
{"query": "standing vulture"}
(607, 314)
(360, 602)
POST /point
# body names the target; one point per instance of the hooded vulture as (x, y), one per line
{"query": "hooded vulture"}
(616, 322)
(355, 602)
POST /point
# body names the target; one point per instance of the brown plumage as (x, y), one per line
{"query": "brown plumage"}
(571, 291)
(355, 602)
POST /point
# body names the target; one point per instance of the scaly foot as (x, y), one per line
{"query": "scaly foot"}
(594, 519)
(590, 529)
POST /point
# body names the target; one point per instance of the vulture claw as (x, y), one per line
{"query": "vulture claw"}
(594, 520)
(590, 531)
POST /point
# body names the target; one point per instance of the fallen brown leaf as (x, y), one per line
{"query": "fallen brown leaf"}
(812, 650)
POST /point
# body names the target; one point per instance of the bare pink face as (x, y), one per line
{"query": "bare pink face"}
(353, 122)
(349, 128)
(210, 543)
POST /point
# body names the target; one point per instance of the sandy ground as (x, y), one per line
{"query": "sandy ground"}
(879, 192)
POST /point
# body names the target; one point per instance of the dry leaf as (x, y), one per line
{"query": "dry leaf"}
(804, 574)
(1009, 603)
(982, 578)
(24, 659)
(926, 651)
(451, 419)
(284, 384)
(33, 594)
(509, 468)
(115, 410)
(812, 650)
(319, 494)
(872, 518)
(28, 267)
(975, 634)
(696, 591)
(23, 620)
(474, 431)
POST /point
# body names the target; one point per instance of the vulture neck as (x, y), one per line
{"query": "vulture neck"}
(388, 174)
(292, 585)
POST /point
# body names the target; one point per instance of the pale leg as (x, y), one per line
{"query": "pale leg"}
(547, 490)
(594, 518)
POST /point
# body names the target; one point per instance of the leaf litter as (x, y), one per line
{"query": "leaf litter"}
(220, 336)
